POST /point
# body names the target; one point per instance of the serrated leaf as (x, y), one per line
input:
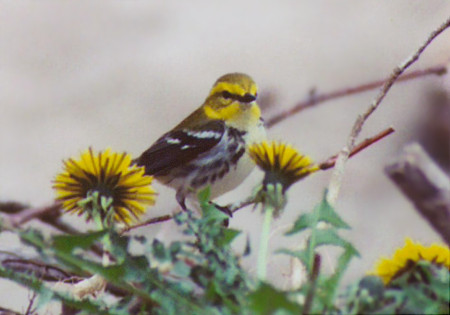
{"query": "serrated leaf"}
(135, 267)
(119, 246)
(113, 274)
(228, 236)
(159, 250)
(175, 248)
(440, 283)
(268, 300)
(328, 215)
(323, 212)
(303, 255)
(210, 212)
(181, 269)
(331, 284)
(203, 195)
(33, 238)
(67, 243)
(304, 221)
(329, 237)
(181, 217)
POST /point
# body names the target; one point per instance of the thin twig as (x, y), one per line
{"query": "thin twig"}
(25, 215)
(242, 204)
(19, 214)
(159, 219)
(330, 162)
(30, 310)
(314, 99)
(338, 173)
(35, 267)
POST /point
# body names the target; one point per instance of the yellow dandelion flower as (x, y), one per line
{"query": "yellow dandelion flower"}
(407, 257)
(112, 177)
(281, 162)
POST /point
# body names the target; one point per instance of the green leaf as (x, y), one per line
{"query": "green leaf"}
(268, 300)
(181, 269)
(332, 283)
(113, 274)
(203, 195)
(228, 236)
(211, 213)
(440, 283)
(303, 255)
(67, 243)
(45, 296)
(135, 267)
(328, 215)
(33, 238)
(323, 212)
(329, 237)
(119, 246)
(304, 221)
(159, 250)
(175, 248)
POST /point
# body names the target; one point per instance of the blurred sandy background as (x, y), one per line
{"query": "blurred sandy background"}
(75, 74)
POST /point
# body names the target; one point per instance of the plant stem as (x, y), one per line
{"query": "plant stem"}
(264, 243)
(313, 284)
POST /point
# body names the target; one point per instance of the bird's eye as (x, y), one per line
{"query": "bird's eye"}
(226, 94)
(248, 98)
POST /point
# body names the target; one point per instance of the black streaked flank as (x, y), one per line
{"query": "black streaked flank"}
(237, 156)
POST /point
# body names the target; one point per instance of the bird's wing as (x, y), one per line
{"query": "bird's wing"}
(179, 147)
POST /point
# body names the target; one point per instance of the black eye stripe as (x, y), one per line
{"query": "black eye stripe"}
(227, 95)
(247, 98)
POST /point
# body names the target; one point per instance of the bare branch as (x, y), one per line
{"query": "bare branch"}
(330, 162)
(34, 267)
(5, 311)
(426, 185)
(30, 310)
(314, 99)
(338, 173)
(159, 219)
(22, 214)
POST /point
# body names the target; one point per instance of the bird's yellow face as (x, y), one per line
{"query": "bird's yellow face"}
(233, 99)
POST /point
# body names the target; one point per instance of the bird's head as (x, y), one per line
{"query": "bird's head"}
(233, 99)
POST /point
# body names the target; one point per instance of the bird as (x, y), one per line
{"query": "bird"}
(210, 146)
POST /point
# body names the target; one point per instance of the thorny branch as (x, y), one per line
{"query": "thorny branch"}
(338, 173)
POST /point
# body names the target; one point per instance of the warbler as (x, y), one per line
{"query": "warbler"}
(209, 147)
